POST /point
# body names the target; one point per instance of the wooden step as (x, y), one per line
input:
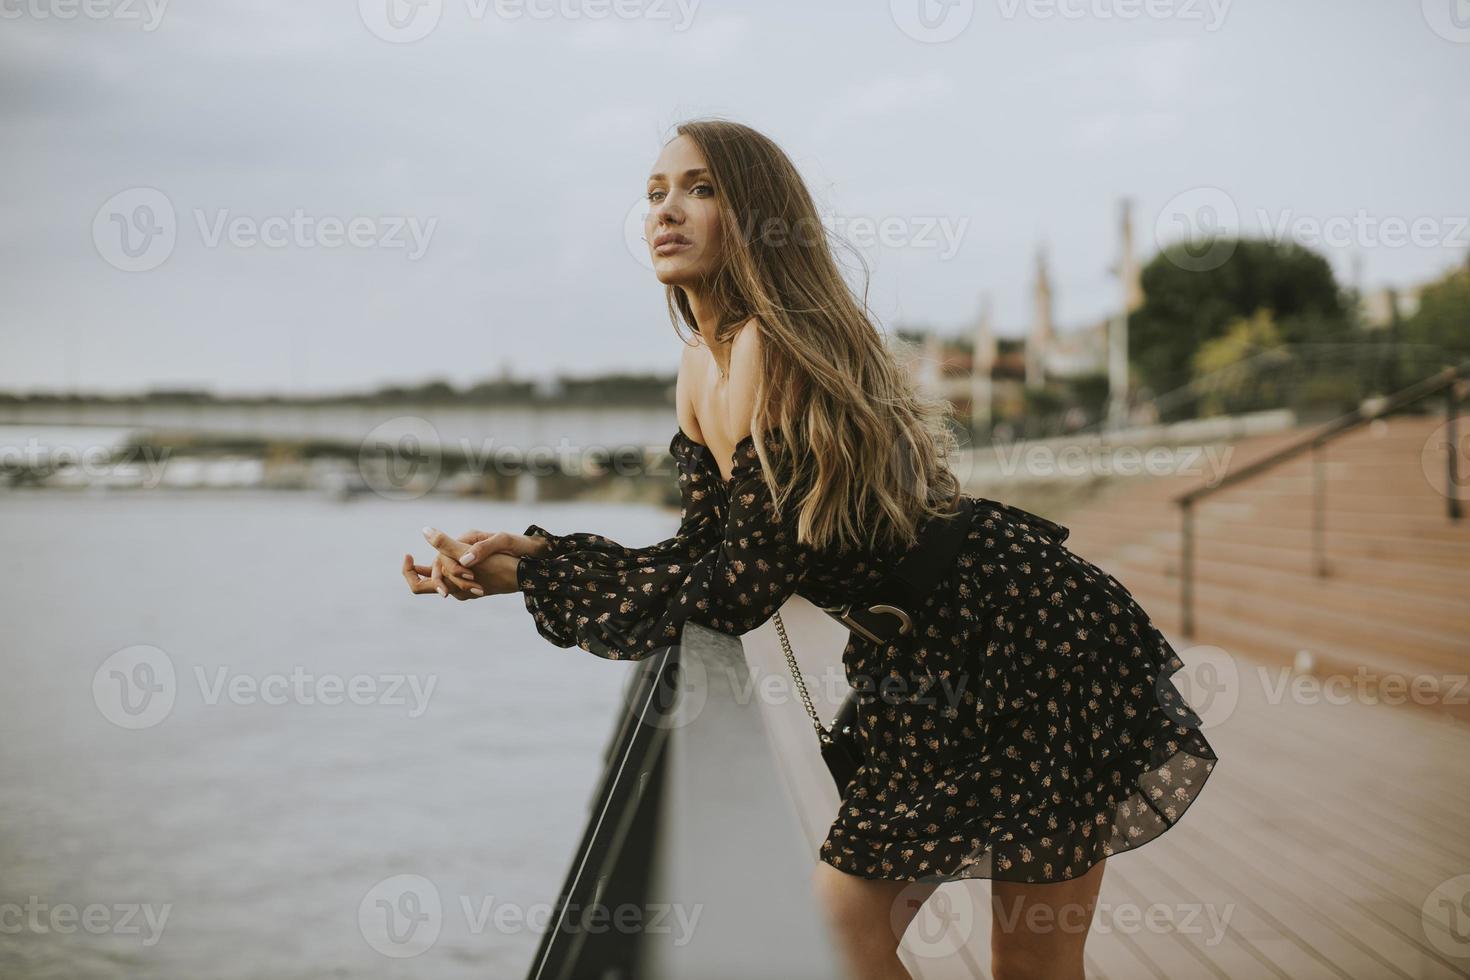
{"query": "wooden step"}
(1280, 609)
(1400, 675)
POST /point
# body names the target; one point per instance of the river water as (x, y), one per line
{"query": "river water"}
(229, 735)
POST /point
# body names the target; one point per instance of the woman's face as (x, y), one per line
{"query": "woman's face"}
(683, 216)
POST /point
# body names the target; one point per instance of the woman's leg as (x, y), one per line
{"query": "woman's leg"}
(868, 919)
(1038, 931)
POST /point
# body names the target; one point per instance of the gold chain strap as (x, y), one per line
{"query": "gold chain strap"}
(796, 676)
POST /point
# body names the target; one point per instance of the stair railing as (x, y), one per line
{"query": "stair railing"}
(1447, 381)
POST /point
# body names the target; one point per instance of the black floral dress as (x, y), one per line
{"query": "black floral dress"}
(1025, 730)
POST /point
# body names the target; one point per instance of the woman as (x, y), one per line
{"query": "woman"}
(807, 462)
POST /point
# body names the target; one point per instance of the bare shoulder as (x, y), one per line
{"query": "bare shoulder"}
(745, 371)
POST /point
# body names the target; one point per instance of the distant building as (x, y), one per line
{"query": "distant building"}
(1382, 307)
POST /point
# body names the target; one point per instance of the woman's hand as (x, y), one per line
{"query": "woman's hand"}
(496, 576)
(473, 546)
(433, 578)
(494, 555)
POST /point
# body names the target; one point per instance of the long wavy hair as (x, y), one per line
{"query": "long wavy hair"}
(870, 447)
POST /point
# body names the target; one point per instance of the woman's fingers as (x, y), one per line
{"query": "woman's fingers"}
(413, 575)
(465, 585)
(490, 544)
(433, 580)
(450, 550)
(448, 584)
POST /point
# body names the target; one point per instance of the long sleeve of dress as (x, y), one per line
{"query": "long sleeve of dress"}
(730, 568)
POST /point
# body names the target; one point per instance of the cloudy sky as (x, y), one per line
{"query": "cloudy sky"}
(285, 196)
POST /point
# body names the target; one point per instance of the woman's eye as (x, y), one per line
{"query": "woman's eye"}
(654, 195)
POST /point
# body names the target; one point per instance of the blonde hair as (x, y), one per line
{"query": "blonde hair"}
(869, 447)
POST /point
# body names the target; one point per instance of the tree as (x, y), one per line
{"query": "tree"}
(1185, 306)
(1443, 317)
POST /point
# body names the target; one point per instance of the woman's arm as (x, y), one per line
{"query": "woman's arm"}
(627, 606)
(732, 577)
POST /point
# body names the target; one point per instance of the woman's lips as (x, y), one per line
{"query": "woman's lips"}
(669, 248)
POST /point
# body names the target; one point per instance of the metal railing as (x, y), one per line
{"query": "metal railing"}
(1445, 381)
(689, 824)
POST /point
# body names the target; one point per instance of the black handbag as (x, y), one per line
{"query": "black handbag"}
(917, 572)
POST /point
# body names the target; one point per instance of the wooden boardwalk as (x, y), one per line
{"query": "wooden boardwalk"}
(1326, 844)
